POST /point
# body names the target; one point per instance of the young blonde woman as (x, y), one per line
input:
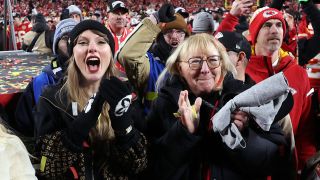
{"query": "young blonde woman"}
(83, 125)
(15, 163)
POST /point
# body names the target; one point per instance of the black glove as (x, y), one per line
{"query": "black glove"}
(165, 13)
(65, 14)
(86, 120)
(118, 95)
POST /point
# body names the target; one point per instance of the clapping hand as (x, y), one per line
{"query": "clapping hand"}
(189, 114)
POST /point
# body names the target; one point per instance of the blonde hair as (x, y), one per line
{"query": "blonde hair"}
(197, 43)
(72, 87)
(7, 135)
(4, 132)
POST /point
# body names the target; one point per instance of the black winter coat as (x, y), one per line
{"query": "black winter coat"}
(120, 158)
(178, 154)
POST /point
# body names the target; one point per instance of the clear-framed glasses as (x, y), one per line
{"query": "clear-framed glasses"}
(179, 33)
(196, 63)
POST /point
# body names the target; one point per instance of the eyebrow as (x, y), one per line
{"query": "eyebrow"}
(206, 56)
(82, 37)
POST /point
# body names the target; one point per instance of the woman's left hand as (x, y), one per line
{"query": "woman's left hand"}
(240, 119)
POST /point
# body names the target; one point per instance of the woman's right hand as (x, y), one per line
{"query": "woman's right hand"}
(240, 119)
(189, 113)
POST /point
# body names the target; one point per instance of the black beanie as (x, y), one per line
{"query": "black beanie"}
(89, 25)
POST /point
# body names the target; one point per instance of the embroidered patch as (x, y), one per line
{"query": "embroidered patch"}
(269, 13)
(123, 105)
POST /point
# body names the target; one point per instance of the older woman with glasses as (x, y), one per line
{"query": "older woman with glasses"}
(191, 91)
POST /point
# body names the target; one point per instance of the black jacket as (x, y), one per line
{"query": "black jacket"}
(121, 157)
(178, 154)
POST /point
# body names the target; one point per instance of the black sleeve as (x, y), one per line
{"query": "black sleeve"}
(309, 48)
(47, 118)
(261, 154)
(172, 145)
(24, 122)
(277, 4)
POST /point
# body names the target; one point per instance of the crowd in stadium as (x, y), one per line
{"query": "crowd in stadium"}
(175, 89)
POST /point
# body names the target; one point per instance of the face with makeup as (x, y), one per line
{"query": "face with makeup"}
(92, 55)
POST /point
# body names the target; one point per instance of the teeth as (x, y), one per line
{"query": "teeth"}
(93, 59)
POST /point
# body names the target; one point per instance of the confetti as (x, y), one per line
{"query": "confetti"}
(17, 70)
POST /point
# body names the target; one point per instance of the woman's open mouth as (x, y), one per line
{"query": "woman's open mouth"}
(93, 64)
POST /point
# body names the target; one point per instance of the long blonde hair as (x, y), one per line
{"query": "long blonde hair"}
(76, 93)
(194, 44)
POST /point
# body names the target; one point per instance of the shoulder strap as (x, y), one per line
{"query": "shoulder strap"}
(30, 47)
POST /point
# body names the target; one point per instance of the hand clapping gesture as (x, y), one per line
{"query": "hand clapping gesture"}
(189, 114)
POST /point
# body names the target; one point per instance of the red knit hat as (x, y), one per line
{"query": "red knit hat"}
(259, 17)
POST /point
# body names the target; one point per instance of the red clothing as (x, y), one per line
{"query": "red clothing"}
(228, 23)
(117, 42)
(260, 68)
(20, 31)
(303, 27)
(291, 45)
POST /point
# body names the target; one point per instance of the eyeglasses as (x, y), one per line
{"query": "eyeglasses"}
(179, 33)
(195, 63)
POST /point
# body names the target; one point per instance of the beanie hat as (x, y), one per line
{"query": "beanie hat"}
(234, 41)
(182, 12)
(73, 9)
(259, 17)
(203, 22)
(178, 23)
(64, 27)
(39, 18)
(89, 25)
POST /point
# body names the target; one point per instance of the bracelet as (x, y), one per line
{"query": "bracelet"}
(125, 132)
(194, 113)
